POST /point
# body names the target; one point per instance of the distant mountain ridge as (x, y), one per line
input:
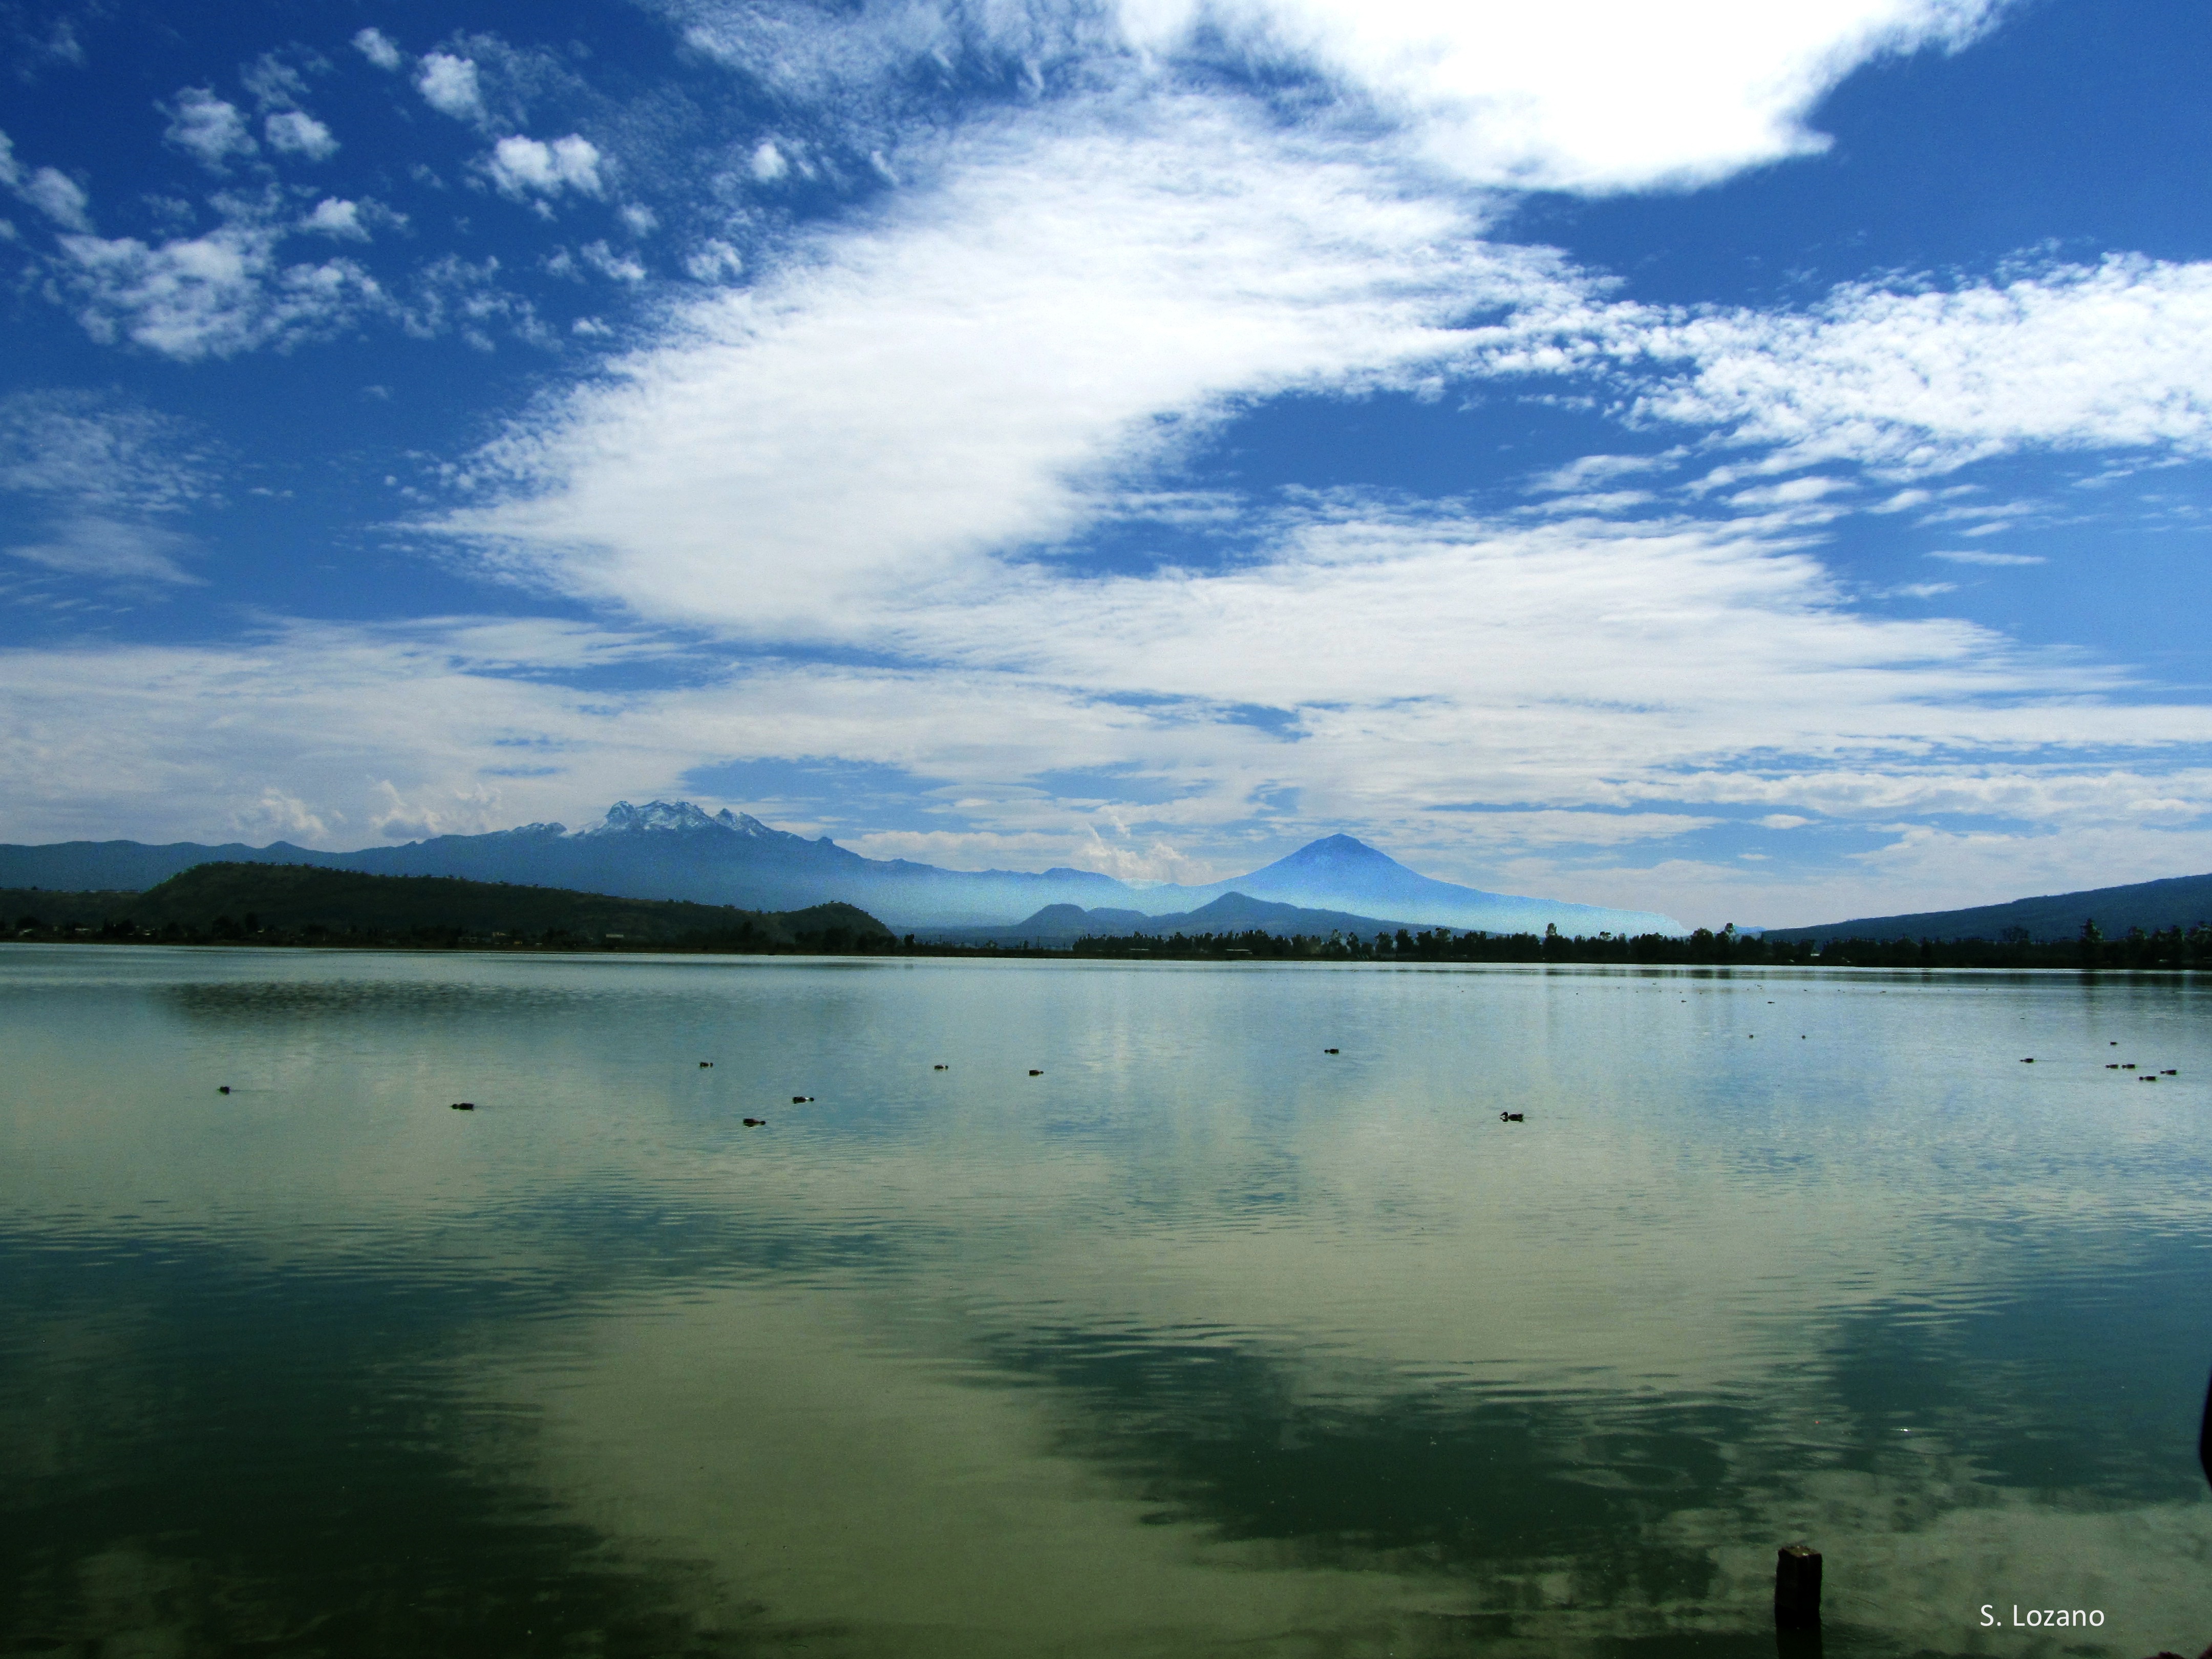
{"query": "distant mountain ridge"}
(2175, 901)
(1232, 912)
(677, 850)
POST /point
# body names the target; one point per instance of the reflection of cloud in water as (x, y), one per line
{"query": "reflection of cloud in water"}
(1192, 1334)
(1095, 1495)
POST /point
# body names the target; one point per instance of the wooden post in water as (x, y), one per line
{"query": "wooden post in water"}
(1797, 1587)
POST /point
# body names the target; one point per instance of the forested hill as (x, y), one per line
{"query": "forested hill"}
(303, 903)
(2154, 906)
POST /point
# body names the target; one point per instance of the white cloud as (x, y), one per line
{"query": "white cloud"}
(1792, 493)
(448, 84)
(277, 84)
(157, 738)
(2113, 355)
(86, 451)
(294, 132)
(965, 371)
(641, 221)
(111, 551)
(767, 162)
(334, 216)
(59, 197)
(53, 192)
(213, 295)
(1579, 475)
(208, 128)
(605, 260)
(378, 47)
(1974, 555)
(524, 166)
(713, 260)
(1581, 94)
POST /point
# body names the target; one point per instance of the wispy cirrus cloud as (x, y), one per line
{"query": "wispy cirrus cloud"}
(111, 551)
(101, 452)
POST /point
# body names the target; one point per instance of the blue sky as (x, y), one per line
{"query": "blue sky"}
(1745, 462)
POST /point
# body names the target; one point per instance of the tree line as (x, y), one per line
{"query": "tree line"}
(2167, 948)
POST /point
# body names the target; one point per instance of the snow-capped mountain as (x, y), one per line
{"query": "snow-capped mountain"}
(661, 816)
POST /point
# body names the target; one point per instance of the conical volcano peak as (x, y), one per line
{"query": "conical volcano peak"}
(1335, 852)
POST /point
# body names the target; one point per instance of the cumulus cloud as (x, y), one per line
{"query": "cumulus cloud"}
(207, 128)
(213, 295)
(523, 167)
(334, 216)
(294, 132)
(378, 47)
(53, 192)
(59, 197)
(448, 84)
(768, 164)
(605, 260)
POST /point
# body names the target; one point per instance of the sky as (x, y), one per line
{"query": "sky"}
(1746, 462)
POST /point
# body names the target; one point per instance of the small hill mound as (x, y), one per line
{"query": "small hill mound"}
(307, 903)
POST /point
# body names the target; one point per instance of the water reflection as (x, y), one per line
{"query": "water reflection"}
(1198, 1340)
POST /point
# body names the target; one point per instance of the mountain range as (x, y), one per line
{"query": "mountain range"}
(675, 850)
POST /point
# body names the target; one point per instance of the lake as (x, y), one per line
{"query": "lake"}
(1200, 1339)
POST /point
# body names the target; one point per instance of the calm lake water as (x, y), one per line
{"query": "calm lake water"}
(1204, 1341)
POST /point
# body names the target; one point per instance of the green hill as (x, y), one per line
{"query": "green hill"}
(2183, 902)
(305, 904)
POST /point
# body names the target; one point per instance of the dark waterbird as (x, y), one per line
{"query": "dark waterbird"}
(800, 1100)
(1513, 1117)
(706, 1065)
(1034, 1072)
(1331, 1051)
(940, 1068)
(465, 1105)
(755, 1123)
(222, 1088)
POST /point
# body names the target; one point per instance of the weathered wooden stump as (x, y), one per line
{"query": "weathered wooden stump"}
(1797, 1587)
